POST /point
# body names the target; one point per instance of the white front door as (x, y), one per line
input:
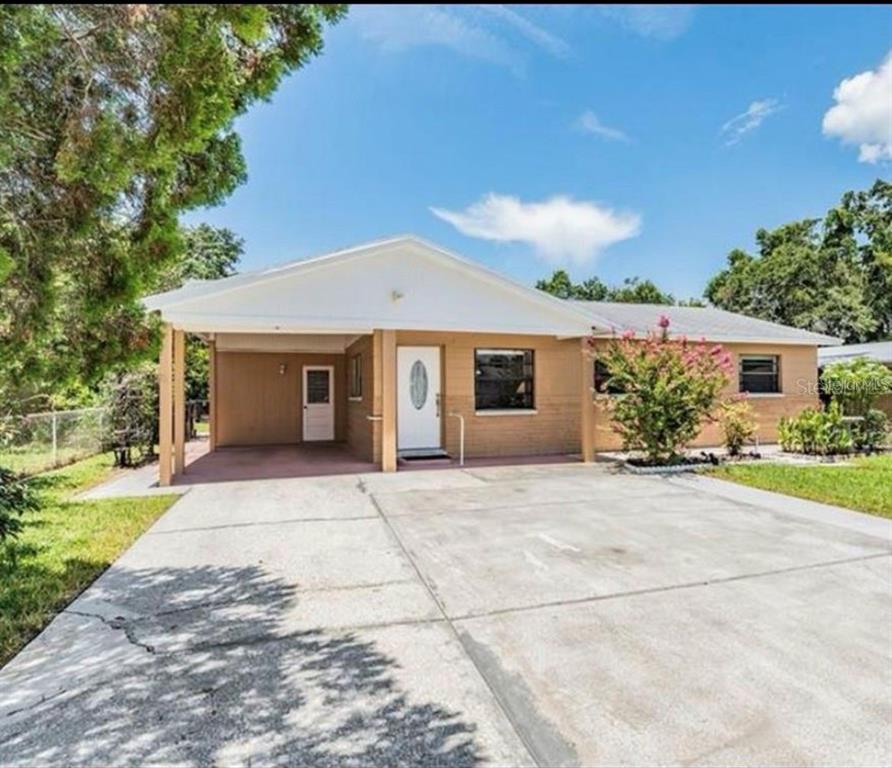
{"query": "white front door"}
(318, 402)
(418, 398)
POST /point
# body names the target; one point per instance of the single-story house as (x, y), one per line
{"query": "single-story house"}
(400, 348)
(878, 351)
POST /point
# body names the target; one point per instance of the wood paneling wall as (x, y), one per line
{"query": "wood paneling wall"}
(258, 405)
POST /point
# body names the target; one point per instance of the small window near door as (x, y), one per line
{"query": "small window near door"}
(317, 387)
(503, 379)
(759, 374)
(355, 388)
(604, 384)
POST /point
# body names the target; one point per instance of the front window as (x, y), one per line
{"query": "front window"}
(604, 384)
(759, 374)
(356, 377)
(503, 379)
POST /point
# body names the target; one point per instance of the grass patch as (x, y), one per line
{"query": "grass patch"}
(64, 547)
(30, 460)
(865, 485)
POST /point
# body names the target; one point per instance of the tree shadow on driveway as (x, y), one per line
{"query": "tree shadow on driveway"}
(219, 679)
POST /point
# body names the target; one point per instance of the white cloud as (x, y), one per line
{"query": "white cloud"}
(487, 33)
(588, 122)
(740, 125)
(560, 229)
(863, 113)
(663, 22)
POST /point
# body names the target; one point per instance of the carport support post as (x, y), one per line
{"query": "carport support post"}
(587, 420)
(212, 395)
(179, 402)
(388, 401)
(165, 405)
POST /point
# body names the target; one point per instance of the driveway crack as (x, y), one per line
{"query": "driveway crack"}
(117, 623)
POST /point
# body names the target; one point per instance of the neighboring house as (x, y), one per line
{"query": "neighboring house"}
(383, 346)
(879, 351)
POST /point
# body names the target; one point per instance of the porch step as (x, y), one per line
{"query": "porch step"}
(424, 457)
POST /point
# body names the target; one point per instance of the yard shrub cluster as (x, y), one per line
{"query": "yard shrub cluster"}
(738, 424)
(816, 431)
(669, 388)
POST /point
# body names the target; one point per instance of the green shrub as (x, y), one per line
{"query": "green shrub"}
(17, 496)
(815, 431)
(870, 433)
(669, 388)
(738, 425)
(856, 384)
(132, 402)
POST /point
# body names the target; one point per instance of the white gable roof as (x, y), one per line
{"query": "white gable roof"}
(400, 283)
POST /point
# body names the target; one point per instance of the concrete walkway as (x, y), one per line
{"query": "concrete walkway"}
(550, 615)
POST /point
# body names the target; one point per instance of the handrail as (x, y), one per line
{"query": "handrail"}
(461, 438)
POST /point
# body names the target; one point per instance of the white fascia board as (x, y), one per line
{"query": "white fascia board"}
(208, 323)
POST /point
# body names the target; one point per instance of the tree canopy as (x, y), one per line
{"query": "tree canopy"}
(830, 275)
(117, 118)
(632, 291)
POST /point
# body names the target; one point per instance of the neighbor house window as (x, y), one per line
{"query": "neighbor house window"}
(759, 374)
(503, 379)
(355, 388)
(603, 380)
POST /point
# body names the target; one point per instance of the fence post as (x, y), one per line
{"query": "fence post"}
(55, 443)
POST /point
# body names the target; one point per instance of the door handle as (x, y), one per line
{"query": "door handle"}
(438, 405)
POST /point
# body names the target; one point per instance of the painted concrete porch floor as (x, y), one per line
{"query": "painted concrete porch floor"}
(276, 462)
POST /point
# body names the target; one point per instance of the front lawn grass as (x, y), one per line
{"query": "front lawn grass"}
(64, 547)
(865, 486)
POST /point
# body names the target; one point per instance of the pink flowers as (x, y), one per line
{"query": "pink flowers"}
(663, 322)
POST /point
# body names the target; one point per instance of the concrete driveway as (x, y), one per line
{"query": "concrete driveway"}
(555, 615)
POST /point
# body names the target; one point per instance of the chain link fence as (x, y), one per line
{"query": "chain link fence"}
(35, 442)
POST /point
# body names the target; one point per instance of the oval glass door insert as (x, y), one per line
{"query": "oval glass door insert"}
(418, 384)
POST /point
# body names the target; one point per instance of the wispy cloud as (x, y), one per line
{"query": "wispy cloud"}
(756, 114)
(862, 114)
(532, 32)
(399, 28)
(588, 122)
(495, 34)
(559, 229)
(663, 22)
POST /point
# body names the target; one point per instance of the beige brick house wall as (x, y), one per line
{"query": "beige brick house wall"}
(360, 430)
(798, 372)
(257, 405)
(552, 428)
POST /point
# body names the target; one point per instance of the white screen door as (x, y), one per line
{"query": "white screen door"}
(418, 398)
(318, 402)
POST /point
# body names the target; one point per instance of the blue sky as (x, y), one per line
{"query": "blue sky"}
(615, 141)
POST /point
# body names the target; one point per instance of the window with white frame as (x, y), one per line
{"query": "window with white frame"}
(759, 374)
(355, 376)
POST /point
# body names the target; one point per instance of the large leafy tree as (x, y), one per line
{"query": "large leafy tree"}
(632, 291)
(115, 119)
(830, 276)
(208, 253)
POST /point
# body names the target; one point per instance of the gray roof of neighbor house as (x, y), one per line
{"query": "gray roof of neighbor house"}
(695, 322)
(881, 351)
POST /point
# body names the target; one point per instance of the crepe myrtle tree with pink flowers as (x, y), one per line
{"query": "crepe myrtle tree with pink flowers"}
(668, 388)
